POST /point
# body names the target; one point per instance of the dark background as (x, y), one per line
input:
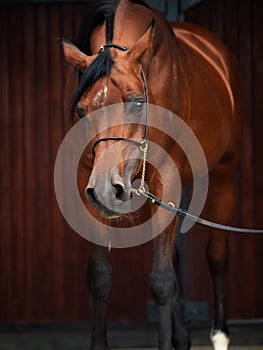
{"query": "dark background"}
(42, 262)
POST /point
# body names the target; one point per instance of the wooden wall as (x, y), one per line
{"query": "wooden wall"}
(42, 262)
(239, 23)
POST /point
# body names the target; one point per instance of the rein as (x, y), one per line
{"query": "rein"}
(144, 147)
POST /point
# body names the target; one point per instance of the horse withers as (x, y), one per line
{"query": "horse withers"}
(127, 52)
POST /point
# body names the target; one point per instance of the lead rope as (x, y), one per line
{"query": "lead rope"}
(170, 206)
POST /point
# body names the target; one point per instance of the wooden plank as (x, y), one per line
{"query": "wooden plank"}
(230, 24)
(118, 305)
(56, 121)
(42, 166)
(17, 161)
(199, 14)
(30, 169)
(217, 17)
(6, 270)
(247, 248)
(257, 98)
(245, 64)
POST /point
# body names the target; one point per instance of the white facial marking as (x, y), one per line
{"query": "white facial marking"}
(96, 102)
(219, 340)
(105, 91)
(98, 98)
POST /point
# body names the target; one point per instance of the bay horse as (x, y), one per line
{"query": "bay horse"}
(189, 72)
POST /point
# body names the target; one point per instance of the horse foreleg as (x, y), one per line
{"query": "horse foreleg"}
(221, 203)
(180, 337)
(99, 284)
(164, 290)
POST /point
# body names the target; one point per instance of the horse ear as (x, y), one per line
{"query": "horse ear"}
(74, 56)
(144, 45)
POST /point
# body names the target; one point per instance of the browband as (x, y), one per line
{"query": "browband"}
(112, 46)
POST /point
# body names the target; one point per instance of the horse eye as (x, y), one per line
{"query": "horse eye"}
(80, 112)
(136, 106)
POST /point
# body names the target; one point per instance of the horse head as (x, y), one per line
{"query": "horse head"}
(115, 75)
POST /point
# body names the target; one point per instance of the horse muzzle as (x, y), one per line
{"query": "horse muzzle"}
(109, 195)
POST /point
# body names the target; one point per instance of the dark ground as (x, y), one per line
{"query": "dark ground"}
(76, 337)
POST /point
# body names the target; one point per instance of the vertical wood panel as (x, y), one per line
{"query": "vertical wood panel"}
(57, 132)
(257, 68)
(17, 161)
(217, 17)
(6, 305)
(42, 151)
(247, 199)
(230, 25)
(29, 146)
(244, 55)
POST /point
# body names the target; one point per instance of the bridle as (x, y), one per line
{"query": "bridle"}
(143, 145)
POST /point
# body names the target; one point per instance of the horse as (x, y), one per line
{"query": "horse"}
(121, 45)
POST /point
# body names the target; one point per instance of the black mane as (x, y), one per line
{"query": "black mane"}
(103, 10)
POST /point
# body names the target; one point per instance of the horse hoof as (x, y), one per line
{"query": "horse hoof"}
(219, 340)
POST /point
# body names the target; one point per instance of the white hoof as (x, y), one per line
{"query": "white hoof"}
(219, 340)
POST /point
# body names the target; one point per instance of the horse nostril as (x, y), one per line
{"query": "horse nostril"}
(120, 192)
(91, 195)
